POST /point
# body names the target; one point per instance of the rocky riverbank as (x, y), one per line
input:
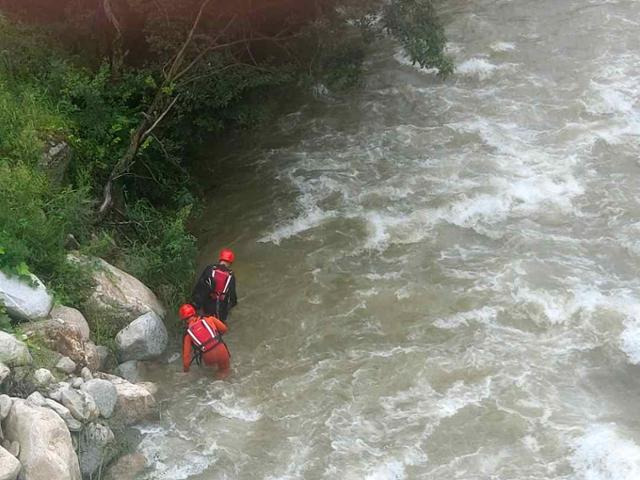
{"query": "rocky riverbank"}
(65, 402)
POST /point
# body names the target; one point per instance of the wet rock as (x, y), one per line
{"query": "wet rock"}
(117, 295)
(13, 352)
(95, 448)
(151, 387)
(143, 339)
(104, 394)
(127, 467)
(63, 412)
(135, 404)
(129, 371)
(25, 300)
(66, 339)
(9, 465)
(73, 318)
(4, 372)
(46, 450)
(43, 377)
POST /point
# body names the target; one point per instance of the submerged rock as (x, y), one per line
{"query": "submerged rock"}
(127, 467)
(24, 301)
(46, 450)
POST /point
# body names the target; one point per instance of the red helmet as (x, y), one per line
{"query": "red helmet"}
(186, 311)
(226, 255)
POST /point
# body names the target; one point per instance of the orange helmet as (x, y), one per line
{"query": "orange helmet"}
(226, 255)
(186, 311)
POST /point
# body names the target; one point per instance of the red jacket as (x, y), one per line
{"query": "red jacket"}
(187, 342)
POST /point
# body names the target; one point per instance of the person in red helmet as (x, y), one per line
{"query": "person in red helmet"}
(202, 341)
(215, 293)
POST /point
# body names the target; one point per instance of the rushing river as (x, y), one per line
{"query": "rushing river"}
(437, 279)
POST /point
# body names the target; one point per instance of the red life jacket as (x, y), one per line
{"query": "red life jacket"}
(204, 336)
(220, 280)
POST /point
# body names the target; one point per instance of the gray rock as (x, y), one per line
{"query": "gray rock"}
(129, 371)
(9, 465)
(43, 377)
(4, 372)
(85, 373)
(95, 448)
(63, 412)
(80, 404)
(56, 389)
(104, 394)
(76, 382)
(37, 399)
(46, 450)
(117, 295)
(143, 339)
(5, 406)
(23, 300)
(13, 352)
(12, 447)
(151, 387)
(134, 403)
(73, 317)
(66, 365)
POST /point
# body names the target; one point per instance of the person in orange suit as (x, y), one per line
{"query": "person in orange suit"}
(203, 341)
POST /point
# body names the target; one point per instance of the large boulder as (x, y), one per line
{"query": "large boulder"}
(46, 450)
(143, 339)
(117, 295)
(25, 300)
(63, 412)
(9, 466)
(13, 352)
(67, 339)
(95, 448)
(104, 393)
(135, 403)
(71, 316)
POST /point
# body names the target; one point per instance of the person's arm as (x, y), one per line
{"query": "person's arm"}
(186, 353)
(202, 288)
(233, 296)
(218, 324)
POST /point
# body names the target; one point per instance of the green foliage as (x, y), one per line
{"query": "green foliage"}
(163, 253)
(414, 23)
(5, 321)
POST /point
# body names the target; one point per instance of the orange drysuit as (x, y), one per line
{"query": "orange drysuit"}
(218, 355)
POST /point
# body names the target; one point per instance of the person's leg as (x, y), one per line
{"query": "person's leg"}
(220, 357)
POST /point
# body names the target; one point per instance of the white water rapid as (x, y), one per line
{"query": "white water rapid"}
(438, 279)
